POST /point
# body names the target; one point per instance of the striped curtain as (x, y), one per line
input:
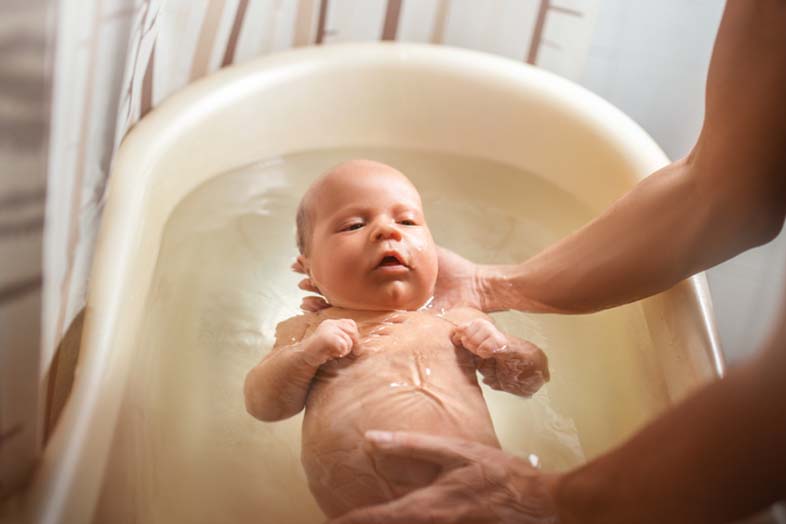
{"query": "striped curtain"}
(24, 103)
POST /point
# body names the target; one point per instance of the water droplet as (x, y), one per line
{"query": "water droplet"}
(428, 305)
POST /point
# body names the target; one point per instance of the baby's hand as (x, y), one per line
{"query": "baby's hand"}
(480, 337)
(333, 339)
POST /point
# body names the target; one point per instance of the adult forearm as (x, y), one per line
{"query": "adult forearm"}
(716, 457)
(662, 231)
(727, 196)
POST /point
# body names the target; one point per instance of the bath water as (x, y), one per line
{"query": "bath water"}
(185, 449)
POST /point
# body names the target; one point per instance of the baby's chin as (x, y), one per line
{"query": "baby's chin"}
(394, 296)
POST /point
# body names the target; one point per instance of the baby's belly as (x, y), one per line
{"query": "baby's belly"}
(343, 475)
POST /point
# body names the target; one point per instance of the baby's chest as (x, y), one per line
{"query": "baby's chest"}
(407, 353)
(417, 336)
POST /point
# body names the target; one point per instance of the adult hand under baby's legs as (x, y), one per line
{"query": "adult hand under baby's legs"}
(506, 363)
(478, 483)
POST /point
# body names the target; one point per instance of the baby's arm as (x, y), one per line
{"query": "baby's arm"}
(277, 387)
(507, 363)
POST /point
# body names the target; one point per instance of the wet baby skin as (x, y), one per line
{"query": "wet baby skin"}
(377, 359)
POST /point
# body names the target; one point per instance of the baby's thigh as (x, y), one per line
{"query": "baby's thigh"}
(403, 475)
(344, 480)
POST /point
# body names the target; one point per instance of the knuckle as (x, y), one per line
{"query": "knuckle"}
(487, 346)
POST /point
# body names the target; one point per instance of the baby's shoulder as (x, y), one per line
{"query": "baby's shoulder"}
(293, 329)
(461, 314)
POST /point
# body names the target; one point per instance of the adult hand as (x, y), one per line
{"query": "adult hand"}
(458, 284)
(478, 483)
(309, 303)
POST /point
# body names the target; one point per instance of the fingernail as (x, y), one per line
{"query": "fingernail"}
(379, 436)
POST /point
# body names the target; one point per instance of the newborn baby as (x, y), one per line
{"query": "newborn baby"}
(377, 358)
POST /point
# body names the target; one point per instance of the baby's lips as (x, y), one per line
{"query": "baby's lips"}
(400, 256)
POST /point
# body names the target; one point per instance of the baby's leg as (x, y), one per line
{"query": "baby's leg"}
(343, 480)
(402, 475)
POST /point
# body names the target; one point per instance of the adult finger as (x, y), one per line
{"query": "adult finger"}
(308, 285)
(313, 304)
(447, 452)
(297, 267)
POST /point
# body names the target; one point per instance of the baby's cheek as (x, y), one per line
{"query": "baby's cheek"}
(417, 242)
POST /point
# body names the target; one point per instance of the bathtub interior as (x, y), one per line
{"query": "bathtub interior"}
(155, 429)
(185, 450)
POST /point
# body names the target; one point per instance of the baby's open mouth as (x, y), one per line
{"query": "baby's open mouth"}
(391, 259)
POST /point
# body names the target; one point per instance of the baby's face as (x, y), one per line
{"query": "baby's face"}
(370, 246)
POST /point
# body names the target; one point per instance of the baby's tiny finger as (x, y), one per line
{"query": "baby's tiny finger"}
(350, 327)
(483, 337)
(476, 327)
(346, 349)
(487, 347)
(465, 341)
(345, 344)
(354, 336)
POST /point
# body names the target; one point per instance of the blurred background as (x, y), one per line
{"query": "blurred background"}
(76, 75)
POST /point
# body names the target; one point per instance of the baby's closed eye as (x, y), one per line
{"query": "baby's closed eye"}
(352, 226)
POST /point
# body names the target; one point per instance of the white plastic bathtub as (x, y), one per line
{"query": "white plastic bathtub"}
(416, 98)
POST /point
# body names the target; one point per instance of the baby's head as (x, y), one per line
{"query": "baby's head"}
(363, 238)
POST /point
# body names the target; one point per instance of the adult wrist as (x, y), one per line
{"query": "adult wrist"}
(580, 498)
(491, 283)
(504, 287)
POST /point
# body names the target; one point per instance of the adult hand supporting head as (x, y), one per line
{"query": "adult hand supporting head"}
(478, 483)
(458, 284)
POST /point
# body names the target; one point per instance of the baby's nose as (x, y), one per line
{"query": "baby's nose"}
(387, 231)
